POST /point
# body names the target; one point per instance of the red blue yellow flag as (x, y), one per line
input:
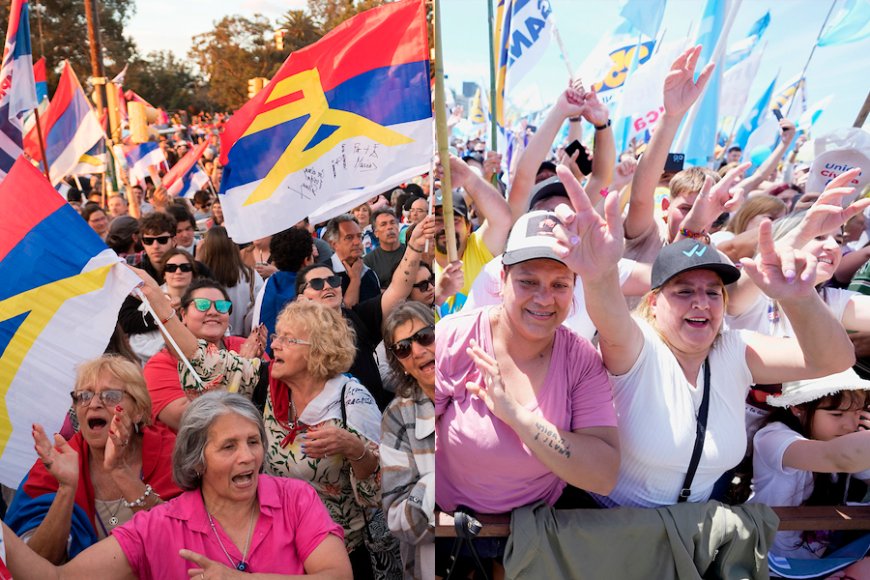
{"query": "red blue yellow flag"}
(344, 119)
(59, 301)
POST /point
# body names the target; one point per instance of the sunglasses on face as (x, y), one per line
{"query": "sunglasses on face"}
(109, 398)
(159, 239)
(176, 267)
(334, 281)
(423, 285)
(423, 337)
(204, 305)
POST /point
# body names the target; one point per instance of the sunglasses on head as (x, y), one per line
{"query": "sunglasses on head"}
(423, 285)
(109, 398)
(176, 267)
(423, 337)
(204, 305)
(159, 239)
(334, 281)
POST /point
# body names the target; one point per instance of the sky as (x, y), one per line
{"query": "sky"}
(841, 71)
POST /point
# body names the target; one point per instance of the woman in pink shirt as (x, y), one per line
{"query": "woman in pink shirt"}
(231, 517)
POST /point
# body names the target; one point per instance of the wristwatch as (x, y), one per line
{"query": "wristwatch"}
(603, 127)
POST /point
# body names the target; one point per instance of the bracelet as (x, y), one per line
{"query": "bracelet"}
(702, 235)
(574, 119)
(603, 127)
(418, 250)
(168, 316)
(365, 450)
(140, 501)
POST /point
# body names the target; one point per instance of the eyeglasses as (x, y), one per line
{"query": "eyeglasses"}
(334, 281)
(423, 337)
(204, 304)
(176, 267)
(423, 285)
(109, 398)
(277, 339)
(162, 240)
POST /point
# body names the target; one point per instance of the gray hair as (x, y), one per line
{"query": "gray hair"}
(331, 232)
(188, 457)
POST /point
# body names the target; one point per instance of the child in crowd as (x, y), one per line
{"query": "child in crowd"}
(815, 450)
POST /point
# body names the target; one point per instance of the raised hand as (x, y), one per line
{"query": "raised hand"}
(59, 459)
(492, 392)
(713, 200)
(780, 272)
(681, 90)
(449, 282)
(827, 213)
(119, 449)
(595, 111)
(571, 102)
(255, 343)
(590, 244)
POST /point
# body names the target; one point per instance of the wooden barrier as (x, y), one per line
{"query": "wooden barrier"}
(790, 518)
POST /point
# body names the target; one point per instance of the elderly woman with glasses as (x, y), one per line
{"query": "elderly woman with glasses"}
(408, 437)
(205, 310)
(80, 490)
(319, 283)
(322, 426)
(230, 520)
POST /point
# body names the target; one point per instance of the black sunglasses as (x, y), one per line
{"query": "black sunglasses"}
(423, 285)
(159, 239)
(334, 281)
(176, 267)
(423, 337)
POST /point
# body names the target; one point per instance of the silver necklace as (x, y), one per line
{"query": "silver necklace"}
(113, 516)
(242, 565)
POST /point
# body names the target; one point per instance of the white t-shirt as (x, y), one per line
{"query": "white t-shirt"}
(657, 408)
(777, 485)
(486, 291)
(765, 315)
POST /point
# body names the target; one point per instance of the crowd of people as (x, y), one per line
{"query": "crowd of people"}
(274, 407)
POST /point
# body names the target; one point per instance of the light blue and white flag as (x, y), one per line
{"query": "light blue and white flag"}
(851, 24)
(741, 50)
(754, 117)
(644, 15)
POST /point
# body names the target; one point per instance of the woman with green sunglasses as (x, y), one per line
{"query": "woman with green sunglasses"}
(205, 310)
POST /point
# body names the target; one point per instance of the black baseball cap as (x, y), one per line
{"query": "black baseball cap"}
(689, 254)
(459, 206)
(550, 187)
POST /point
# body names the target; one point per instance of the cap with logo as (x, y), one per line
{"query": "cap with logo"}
(689, 254)
(532, 238)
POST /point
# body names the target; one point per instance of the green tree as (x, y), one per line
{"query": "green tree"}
(300, 30)
(328, 14)
(165, 81)
(236, 50)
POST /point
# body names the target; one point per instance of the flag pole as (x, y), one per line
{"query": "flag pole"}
(41, 145)
(493, 56)
(441, 125)
(563, 53)
(812, 52)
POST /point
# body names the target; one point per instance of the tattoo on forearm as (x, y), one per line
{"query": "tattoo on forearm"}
(551, 438)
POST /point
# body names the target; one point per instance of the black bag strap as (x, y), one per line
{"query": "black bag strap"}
(343, 407)
(700, 433)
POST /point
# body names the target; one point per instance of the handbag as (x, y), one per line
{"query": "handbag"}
(381, 544)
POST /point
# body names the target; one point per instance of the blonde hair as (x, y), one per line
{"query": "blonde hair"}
(128, 373)
(690, 180)
(755, 206)
(333, 341)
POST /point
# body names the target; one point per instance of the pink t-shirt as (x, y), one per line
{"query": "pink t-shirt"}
(482, 463)
(292, 523)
